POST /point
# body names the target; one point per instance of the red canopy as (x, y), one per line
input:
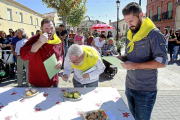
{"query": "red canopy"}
(101, 27)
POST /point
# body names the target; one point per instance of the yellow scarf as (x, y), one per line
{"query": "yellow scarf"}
(56, 39)
(144, 30)
(90, 59)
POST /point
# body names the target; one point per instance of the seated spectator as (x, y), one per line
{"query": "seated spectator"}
(109, 50)
(21, 63)
(79, 38)
(99, 43)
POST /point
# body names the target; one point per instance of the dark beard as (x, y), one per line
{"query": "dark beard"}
(137, 27)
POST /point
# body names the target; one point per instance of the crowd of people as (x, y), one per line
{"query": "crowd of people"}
(173, 43)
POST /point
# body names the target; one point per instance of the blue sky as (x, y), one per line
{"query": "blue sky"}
(106, 9)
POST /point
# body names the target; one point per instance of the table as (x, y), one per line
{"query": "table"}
(49, 105)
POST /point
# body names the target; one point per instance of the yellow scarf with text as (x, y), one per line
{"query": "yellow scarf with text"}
(144, 30)
(56, 39)
(90, 59)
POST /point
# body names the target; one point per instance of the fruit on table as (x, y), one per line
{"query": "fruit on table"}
(70, 95)
(65, 94)
(76, 95)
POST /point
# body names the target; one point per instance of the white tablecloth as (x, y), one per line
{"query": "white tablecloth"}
(49, 105)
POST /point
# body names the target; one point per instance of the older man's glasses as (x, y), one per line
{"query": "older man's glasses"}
(77, 60)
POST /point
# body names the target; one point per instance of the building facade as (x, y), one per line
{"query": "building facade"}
(177, 21)
(162, 13)
(15, 15)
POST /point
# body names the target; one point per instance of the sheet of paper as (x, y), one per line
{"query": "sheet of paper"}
(110, 115)
(113, 60)
(49, 65)
(89, 70)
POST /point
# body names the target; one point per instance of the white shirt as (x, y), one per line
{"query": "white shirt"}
(98, 43)
(94, 75)
(19, 44)
(167, 39)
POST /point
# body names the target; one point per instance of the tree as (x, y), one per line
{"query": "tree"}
(64, 7)
(77, 15)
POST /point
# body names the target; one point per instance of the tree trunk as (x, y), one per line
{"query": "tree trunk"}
(64, 20)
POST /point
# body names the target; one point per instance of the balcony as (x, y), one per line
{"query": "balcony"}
(156, 18)
(167, 15)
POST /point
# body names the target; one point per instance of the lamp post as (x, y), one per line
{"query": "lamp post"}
(118, 4)
(140, 2)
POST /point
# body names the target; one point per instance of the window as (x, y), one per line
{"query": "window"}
(123, 26)
(126, 26)
(36, 22)
(32, 33)
(169, 9)
(31, 20)
(9, 12)
(150, 14)
(159, 13)
(21, 17)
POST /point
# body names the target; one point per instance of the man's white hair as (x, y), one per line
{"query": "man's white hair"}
(75, 50)
(20, 30)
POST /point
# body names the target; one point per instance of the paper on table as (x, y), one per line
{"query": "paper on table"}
(49, 65)
(113, 60)
(110, 115)
(89, 70)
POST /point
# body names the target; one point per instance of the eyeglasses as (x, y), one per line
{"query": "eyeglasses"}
(79, 31)
(73, 61)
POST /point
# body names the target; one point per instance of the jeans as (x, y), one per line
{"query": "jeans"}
(170, 49)
(140, 103)
(66, 50)
(176, 49)
(77, 84)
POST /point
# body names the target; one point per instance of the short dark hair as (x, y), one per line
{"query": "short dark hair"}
(132, 7)
(103, 36)
(10, 29)
(61, 25)
(38, 31)
(47, 20)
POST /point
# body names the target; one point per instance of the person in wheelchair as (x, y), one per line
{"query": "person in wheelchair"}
(109, 50)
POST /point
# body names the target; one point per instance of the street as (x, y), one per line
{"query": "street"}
(167, 106)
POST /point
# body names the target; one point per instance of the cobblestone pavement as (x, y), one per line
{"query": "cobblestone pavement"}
(167, 106)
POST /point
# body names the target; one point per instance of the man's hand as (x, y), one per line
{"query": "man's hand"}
(43, 38)
(58, 65)
(128, 65)
(65, 77)
(85, 75)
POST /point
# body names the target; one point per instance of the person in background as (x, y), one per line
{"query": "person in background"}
(15, 40)
(38, 49)
(79, 38)
(89, 38)
(71, 37)
(166, 35)
(38, 32)
(145, 52)
(95, 34)
(80, 58)
(177, 45)
(109, 34)
(171, 43)
(64, 37)
(5, 45)
(109, 50)
(21, 63)
(99, 42)
(10, 31)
